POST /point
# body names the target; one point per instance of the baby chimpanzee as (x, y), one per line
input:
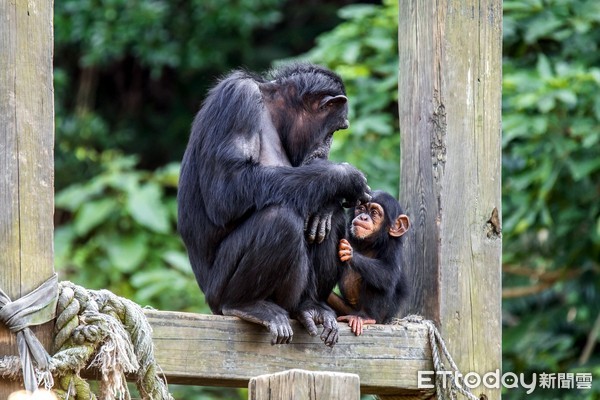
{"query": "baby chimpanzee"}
(373, 283)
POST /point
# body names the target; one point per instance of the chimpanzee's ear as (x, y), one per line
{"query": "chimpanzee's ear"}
(332, 100)
(278, 94)
(400, 226)
(268, 88)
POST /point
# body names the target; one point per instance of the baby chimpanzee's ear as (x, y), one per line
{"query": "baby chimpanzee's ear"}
(400, 226)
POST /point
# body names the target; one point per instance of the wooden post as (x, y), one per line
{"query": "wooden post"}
(450, 121)
(26, 157)
(297, 384)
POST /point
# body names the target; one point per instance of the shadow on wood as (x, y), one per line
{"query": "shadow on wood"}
(225, 351)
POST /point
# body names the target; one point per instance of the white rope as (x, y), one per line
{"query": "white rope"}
(436, 342)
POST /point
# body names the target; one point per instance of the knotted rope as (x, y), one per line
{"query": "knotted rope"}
(444, 389)
(36, 308)
(98, 329)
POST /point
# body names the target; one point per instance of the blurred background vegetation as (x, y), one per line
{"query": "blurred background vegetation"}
(130, 75)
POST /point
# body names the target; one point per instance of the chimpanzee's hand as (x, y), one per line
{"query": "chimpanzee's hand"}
(311, 316)
(345, 250)
(355, 189)
(317, 226)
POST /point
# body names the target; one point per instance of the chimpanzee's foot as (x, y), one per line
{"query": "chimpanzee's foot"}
(268, 314)
(356, 323)
(313, 314)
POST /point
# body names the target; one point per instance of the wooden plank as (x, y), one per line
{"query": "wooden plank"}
(225, 351)
(298, 384)
(450, 119)
(26, 156)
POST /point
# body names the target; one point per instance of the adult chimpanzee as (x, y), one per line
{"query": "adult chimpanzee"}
(373, 283)
(254, 178)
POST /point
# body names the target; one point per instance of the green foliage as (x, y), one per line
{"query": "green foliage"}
(115, 73)
(363, 50)
(160, 33)
(122, 236)
(551, 170)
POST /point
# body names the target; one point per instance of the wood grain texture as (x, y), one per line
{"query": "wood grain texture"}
(225, 351)
(26, 155)
(450, 119)
(299, 384)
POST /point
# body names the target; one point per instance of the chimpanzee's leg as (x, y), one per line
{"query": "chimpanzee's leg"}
(323, 275)
(268, 271)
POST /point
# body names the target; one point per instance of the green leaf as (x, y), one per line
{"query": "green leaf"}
(542, 27)
(63, 243)
(544, 68)
(546, 103)
(70, 198)
(526, 100)
(378, 123)
(76, 195)
(567, 96)
(168, 175)
(582, 169)
(147, 209)
(357, 11)
(92, 214)
(126, 253)
(156, 283)
(178, 260)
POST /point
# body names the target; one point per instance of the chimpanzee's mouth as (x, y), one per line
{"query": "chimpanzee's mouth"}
(320, 152)
(361, 224)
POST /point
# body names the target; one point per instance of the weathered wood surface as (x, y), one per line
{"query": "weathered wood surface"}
(26, 156)
(450, 120)
(299, 384)
(225, 351)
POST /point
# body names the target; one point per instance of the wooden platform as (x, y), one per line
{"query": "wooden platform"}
(225, 351)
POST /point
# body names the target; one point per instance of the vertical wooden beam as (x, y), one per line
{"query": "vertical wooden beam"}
(26, 156)
(297, 384)
(450, 121)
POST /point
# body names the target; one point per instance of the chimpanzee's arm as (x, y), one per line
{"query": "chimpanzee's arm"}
(305, 188)
(310, 187)
(381, 274)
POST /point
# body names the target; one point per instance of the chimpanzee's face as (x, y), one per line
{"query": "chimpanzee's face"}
(306, 110)
(328, 115)
(368, 220)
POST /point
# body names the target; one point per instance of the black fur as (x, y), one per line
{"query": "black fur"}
(254, 171)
